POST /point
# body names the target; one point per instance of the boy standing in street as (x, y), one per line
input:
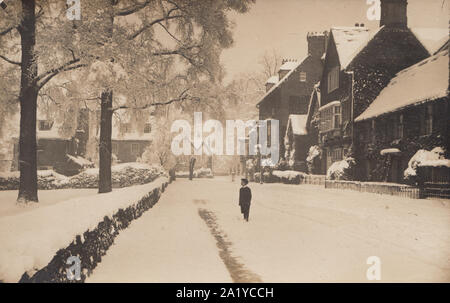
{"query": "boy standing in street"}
(245, 197)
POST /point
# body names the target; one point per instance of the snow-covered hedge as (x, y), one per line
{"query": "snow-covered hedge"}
(198, 173)
(43, 239)
(434, 158)
(123, 175)
(341, 170)
(47, 179)
(289, 176)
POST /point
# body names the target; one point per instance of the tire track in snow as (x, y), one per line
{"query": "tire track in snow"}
(237, 270)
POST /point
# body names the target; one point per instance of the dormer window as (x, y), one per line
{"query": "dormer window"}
(45, 125)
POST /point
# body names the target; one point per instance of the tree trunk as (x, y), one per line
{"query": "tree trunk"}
(28, 106)
(104, 181)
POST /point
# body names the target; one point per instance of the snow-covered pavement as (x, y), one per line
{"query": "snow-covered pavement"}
(296, 233)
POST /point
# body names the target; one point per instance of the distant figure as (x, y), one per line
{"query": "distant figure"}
(232, 175)
(245, 197)
(191, 168)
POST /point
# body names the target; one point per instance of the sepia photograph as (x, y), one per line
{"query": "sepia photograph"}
(202, 143)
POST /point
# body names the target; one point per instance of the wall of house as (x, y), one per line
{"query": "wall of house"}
(123, 149)
(390, 51)
(374, 167)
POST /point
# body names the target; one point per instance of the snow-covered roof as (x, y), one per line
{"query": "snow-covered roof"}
(431, 38)
(272, 80)
(330, 104)
(298, 124)
(425, 81)
(387, 151)
(289, 65)
(273, 88)
(349, 41)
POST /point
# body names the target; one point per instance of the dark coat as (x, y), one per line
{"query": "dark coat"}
(245, 196)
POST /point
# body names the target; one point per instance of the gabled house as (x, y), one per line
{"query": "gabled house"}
(54, 143)
(359, 63)
(409, 114)
(288, 92)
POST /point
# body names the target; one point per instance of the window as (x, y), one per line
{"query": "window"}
(331, 117)
(302, 76)
(333, 79)
(45, 125)
(147, 128)
(134, 148)
(336, 116)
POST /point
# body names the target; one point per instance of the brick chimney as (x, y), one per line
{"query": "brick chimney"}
(317, 42)
(394, 13)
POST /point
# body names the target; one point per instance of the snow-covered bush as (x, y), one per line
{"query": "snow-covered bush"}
(123, 175)
(198, 173)
(422, 157)
(203, 173)
(341, 170)
(47, 179)
(73, 165)
(289, 176)
(311, 160)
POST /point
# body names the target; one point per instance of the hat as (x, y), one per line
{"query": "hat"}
(245, 180)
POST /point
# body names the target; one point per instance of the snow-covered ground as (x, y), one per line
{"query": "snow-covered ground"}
(9, 207)
(30, 239)
(296, 233)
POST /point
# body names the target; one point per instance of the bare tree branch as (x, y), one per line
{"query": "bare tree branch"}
(182, 97)
(132, 9)
(4, 32)
(57, 71)
(10, 61)
(156, 21)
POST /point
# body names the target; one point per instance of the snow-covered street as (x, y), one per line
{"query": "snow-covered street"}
(296, 233)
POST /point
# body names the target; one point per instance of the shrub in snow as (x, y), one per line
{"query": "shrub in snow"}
(435, 157)
(73, 165)
(312, 158)
(289, 176)
(341, 170)
(198, 173)
(123, 175)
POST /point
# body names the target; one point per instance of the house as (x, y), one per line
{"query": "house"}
(359, 63)
(288, 92)
(129, 140)
(54, 140)
(409, 114)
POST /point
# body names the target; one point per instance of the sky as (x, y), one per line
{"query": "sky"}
(282, 25)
